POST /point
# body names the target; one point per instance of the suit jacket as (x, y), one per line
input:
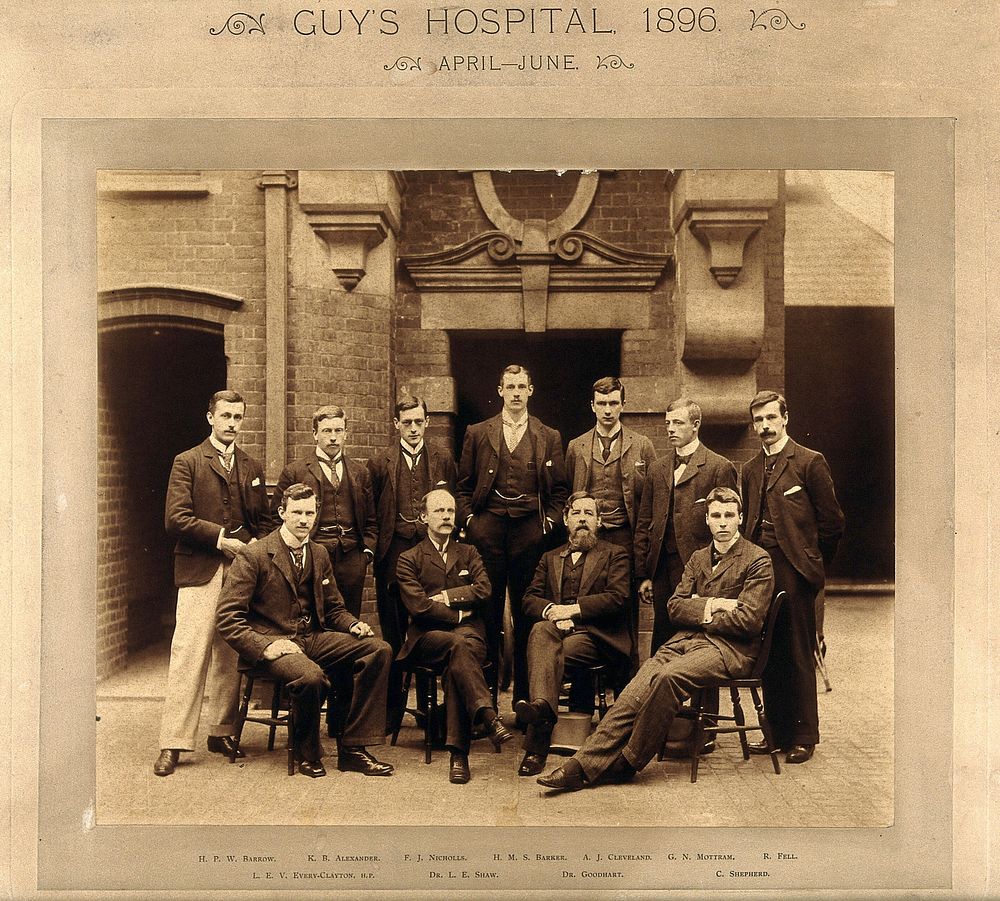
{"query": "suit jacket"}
(258, 604)
(603, 597)
(744, 573)
(308, 471)
(808, 521)
(197, 496)
(477, 471)
(383, 469)
(705, 470)
(422, 573)
(637, 457)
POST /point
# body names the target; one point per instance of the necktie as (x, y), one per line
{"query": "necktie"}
(411, 456)
(227, 460)
(334, 480)
(606, 443)
(716, 557)
(769, 461)
(298, 558)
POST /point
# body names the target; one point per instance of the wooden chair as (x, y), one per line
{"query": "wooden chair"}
(707, 724)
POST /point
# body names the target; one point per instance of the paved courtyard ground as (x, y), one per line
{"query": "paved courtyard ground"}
(849, 781)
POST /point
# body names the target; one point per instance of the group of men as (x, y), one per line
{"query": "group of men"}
(573, 542)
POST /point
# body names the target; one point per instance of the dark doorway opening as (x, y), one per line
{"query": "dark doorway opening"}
(840, 386)
(156, 381)
(563, 366)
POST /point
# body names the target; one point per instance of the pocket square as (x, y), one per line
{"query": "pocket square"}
(464, 572)
(326, 581)
(639, 463)
(255, 482)
(548, 462)
(792, 490)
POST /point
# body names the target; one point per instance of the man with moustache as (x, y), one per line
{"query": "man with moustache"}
(578, 600)
(671, 524)
(345, 523)
(793, 513)
(719, 608)
(612, 462)
(216, 503)
(445, 589)
(400, 478)
(280, 608)
(511, 489)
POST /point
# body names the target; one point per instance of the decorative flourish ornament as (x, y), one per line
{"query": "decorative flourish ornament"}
(613, 61)
(237, 24)
(779, 20)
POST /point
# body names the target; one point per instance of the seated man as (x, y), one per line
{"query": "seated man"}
(579, 599)
(280, 608)
(720, 606)
(445, 588)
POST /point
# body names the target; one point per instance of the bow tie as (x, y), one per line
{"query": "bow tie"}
(769, 461)
(682, 460)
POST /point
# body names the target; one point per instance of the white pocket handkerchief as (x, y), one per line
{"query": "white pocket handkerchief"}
(326, 581)
(464, 572)
(548, 462)
(255, 482)
(792, 490)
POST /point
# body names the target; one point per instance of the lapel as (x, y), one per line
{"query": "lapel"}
(754, 468)
(593, 563)
(317, 473)
(213, 460)
(626, 441)
(556, 574)
(726, 563)
(452, 555)
(281, 558)
(432, 556)
(536, 449)
(241, 460)
(780, 464)
(392, 461)
(317, 583)
(698, 459)
(493, 430)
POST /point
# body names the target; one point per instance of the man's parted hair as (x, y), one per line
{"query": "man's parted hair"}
(225, 397)
(515, 369)
(606, 385)
(724, 496)
(296, 492)
(579, 496)
(766, 397)
(685, 403)
(410, 402)
(331, 411)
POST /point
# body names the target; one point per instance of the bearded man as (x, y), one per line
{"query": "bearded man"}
(578, 600)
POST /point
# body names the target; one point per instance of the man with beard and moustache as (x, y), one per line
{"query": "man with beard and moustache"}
(445, 588)
(345, 518)
(719, 607)
(216, 503)
(579, 600)
(792, 512)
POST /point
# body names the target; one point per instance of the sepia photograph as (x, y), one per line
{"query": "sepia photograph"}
(354, 357)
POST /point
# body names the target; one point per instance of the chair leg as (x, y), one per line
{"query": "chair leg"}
(602, 696)
(291, 741)
(765, 727)
(734, 693)
(431, 720)
(697, 733)
(406, 693)
(821, 666)
(241, 716)
(275, 706)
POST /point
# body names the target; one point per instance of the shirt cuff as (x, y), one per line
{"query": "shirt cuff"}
(447, 600)
(707, 615)
(218, 541)
(545, 610)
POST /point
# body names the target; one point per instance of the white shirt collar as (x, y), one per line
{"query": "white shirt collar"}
(617, 433)
(219, 446)
(412, 451)
(777, 447)
(290, 540)
(325, 458)
(721, 549)
(442, 549)
(515, 423)
(688, 448)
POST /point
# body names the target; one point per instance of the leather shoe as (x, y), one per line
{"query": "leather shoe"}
(532, 764)
(358, 760)
(760, 747)
(458, 770)
(563, 779)
(799, 753)
(166, 762)
(312, 768)
(224, 744)
(534, 713)
(497, 732)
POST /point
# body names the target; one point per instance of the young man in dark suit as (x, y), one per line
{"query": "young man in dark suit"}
(719, 607)
(345, 523)
(445, 589)
(401, 476)
(511, 491)
(216, 502)
(280, 608)
(793, 513)
(578, 602)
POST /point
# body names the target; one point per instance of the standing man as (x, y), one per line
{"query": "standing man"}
(719, 607)
(216, 503)
(445, 588)
(511, 490)
(612, 462)
(400, 478)
(345, 523)
(577, 601)
(793, 513)
(672, 514)
(280, 608)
